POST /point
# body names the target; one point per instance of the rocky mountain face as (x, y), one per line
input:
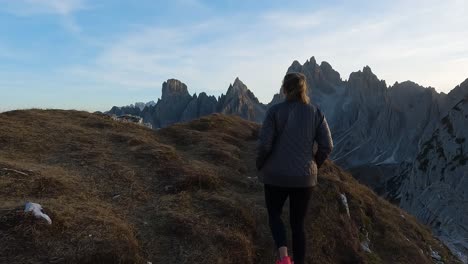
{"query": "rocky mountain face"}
(239, 100)
(379, 131)
(200, 105)
(174, 100)
(371, 124)
(177, 105)
(435, 187)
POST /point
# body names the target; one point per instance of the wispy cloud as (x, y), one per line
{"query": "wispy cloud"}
(33, 7)
(402, 42)
(64, 9)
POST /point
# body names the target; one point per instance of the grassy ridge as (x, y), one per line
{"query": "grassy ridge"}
(122, 193)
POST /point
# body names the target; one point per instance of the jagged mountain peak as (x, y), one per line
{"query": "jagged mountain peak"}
(204, 95)
(239, 90)
(311, 61)
(237, 87)
(365, 73)
(296, 64)
(455, 95)
(241, 101)
(311, 64)
(321, 78)
(330, 74)
(367, 69)
(325, 64)
(238, 84)
(460, 90)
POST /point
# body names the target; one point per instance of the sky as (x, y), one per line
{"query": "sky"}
(94, 54)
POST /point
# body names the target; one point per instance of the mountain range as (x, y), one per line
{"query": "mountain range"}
(177, 105)
(381, 134)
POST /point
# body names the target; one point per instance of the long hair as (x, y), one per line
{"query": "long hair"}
(295, 87)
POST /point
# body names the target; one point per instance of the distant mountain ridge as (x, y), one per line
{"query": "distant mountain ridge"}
(177, 105)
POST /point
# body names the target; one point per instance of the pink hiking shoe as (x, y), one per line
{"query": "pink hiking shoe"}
(285, 260)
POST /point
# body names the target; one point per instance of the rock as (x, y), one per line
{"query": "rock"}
(36, 210)
(199, 106)
(344, 201)
(435, 255)
(365, 244)
(174, 99)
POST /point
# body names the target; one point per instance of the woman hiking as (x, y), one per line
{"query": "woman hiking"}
(287, 162)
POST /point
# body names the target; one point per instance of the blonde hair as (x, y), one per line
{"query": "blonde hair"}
(295, 87)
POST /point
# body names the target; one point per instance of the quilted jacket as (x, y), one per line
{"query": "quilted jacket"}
(285, 150)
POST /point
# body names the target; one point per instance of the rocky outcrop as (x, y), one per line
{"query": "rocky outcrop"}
(174, 100)
(200, 105)
(435, 189)
(177, 105)
(239, 100)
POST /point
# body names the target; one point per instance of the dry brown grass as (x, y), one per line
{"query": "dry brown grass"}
(122, 193)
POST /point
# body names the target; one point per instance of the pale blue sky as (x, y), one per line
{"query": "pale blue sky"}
(91, 54)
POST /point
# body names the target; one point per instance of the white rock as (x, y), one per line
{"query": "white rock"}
(36, 209)
(344, 201)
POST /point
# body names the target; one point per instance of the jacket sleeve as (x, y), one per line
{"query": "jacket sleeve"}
(324, 141)
(266, 139)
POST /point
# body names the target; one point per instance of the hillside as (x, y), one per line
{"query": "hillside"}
(119, 192)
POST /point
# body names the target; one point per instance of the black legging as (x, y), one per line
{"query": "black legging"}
(298, 203)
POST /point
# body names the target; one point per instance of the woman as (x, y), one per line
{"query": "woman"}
(287, 163)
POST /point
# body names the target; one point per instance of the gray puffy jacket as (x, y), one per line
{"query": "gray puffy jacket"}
(285, 150)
